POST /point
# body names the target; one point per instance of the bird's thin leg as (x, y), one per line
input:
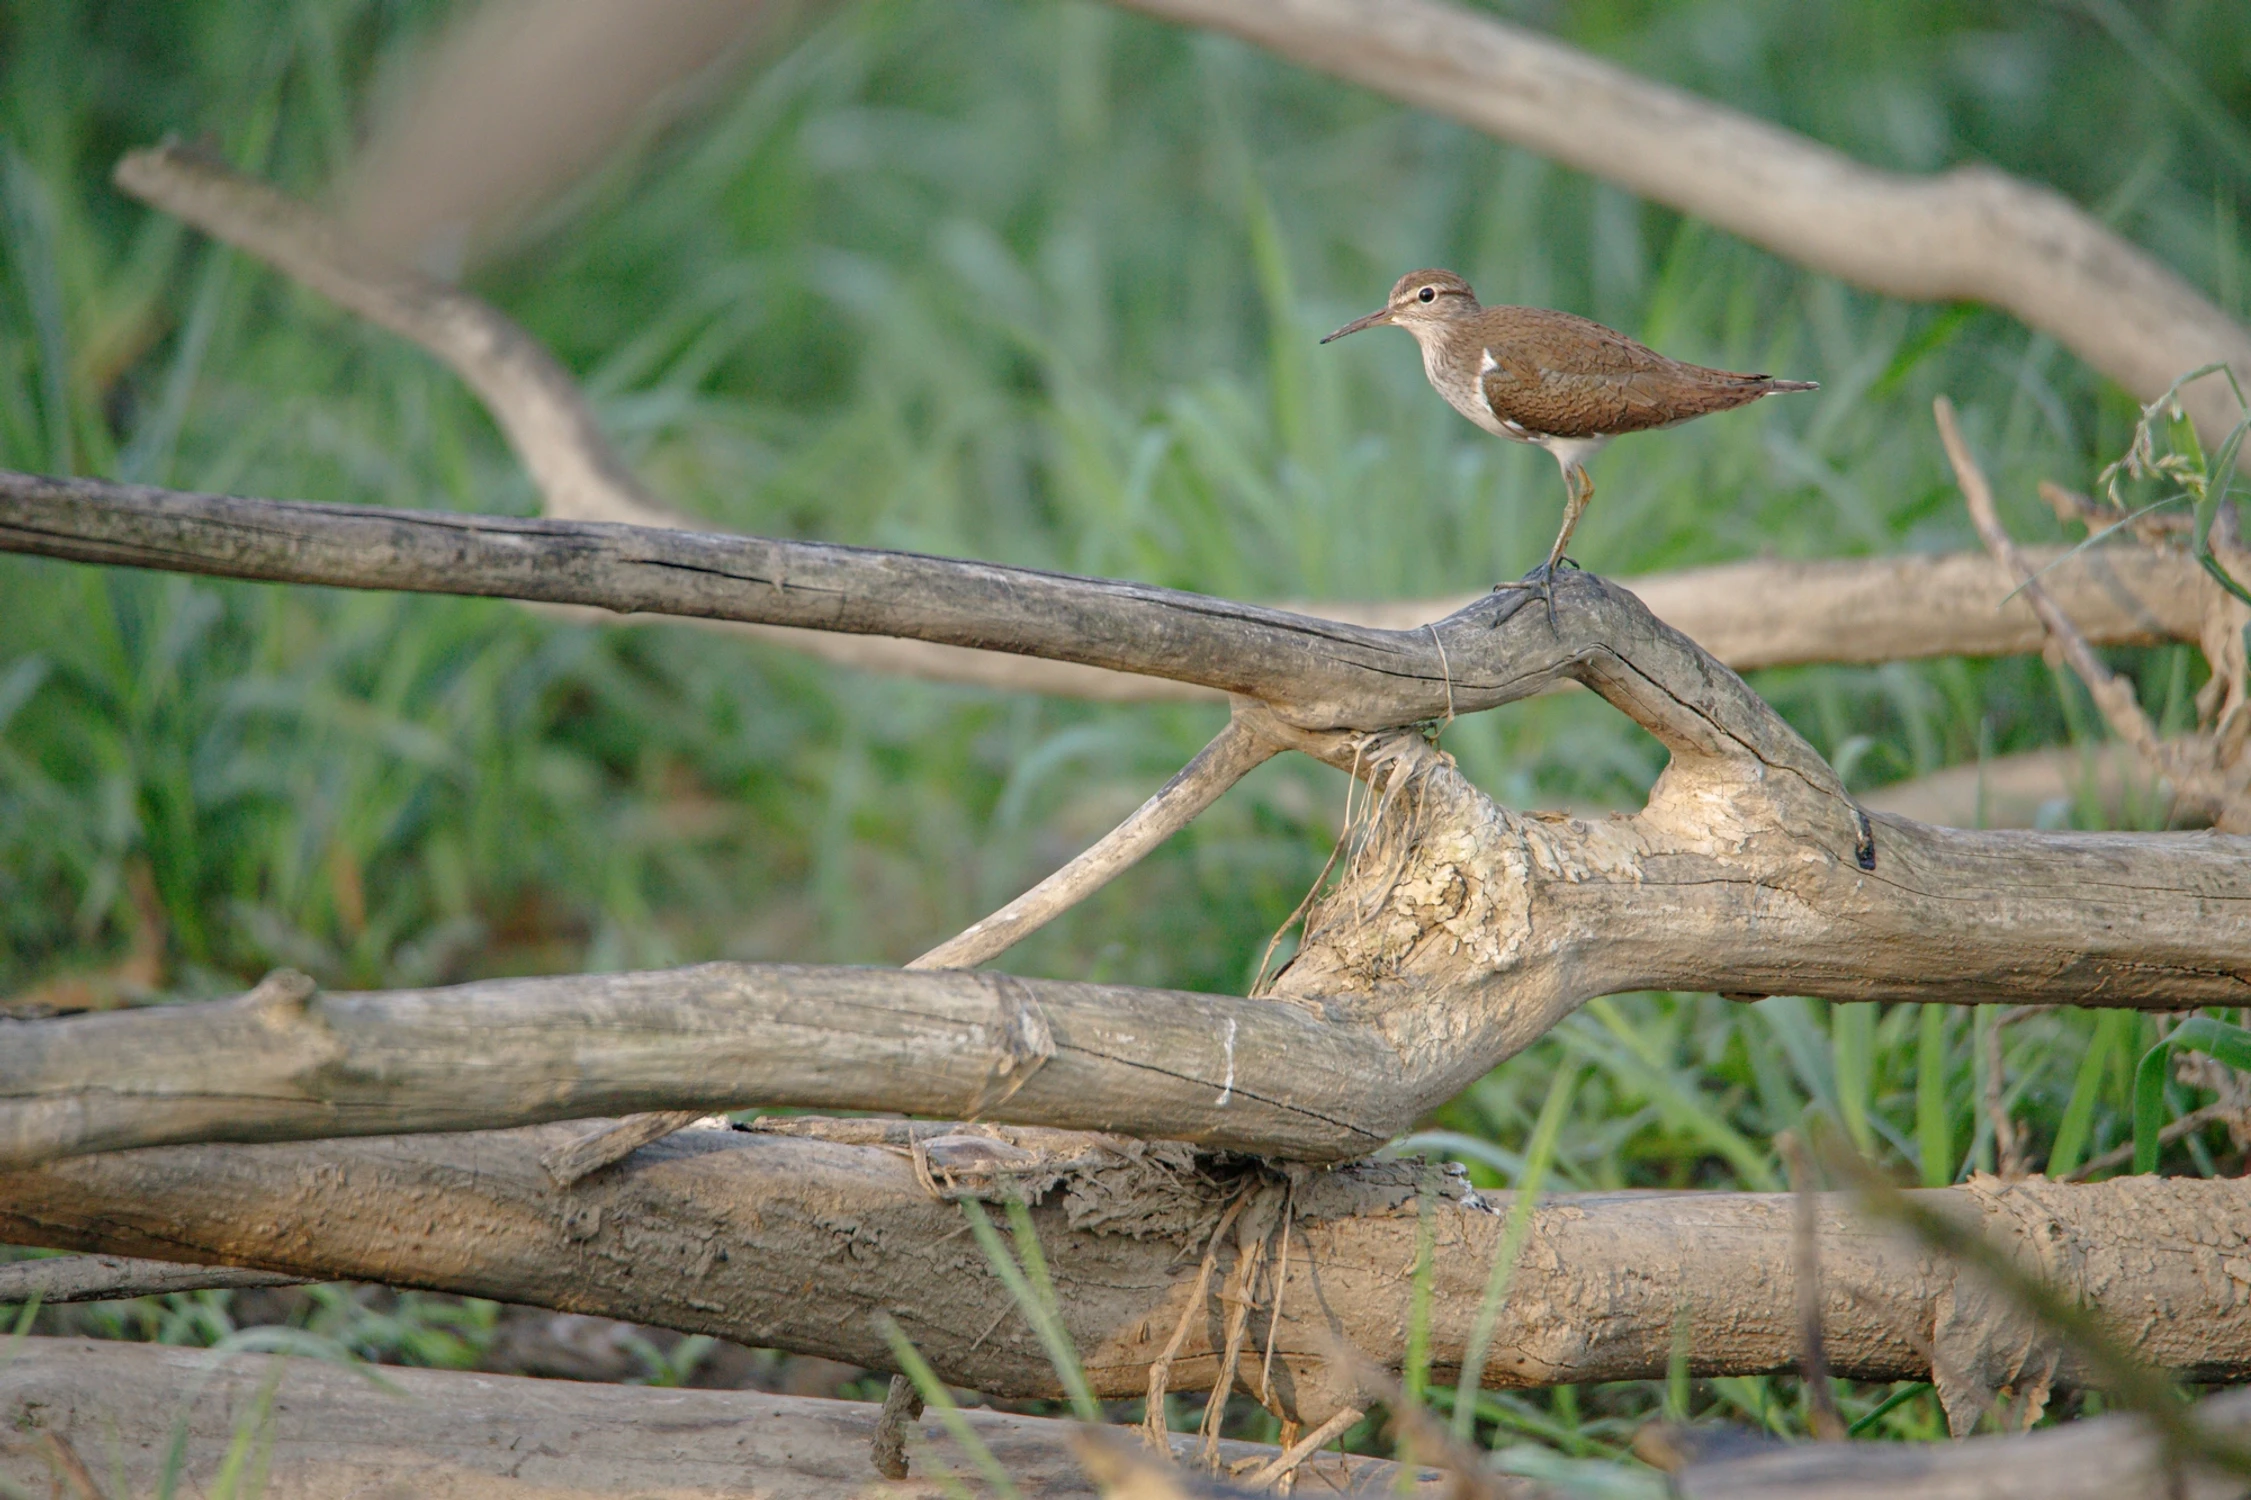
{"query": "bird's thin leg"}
(1581, 487)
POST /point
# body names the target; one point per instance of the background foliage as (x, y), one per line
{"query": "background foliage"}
(1038, 283)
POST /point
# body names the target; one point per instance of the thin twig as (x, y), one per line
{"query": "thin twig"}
(1294, 1456)
(2113, 695)
(2188, 1124)
(585, 1155)
(1249, 1258)
(1234, 753)
(2008, 1154)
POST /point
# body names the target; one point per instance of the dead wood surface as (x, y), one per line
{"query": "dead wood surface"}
(795, 1242)
(98, 1278)
(449, 1435)
(1458, 932)
(1765, 612)
(1969, 234)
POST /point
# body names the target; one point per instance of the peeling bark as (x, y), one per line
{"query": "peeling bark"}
(795, 1242)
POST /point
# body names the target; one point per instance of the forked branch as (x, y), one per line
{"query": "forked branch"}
(1462, 931)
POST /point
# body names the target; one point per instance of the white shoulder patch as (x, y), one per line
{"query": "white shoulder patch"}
(1487, 365)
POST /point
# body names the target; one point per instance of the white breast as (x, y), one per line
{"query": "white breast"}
(1463, 392)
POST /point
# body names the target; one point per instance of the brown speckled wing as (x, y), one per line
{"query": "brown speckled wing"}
(1562, 375)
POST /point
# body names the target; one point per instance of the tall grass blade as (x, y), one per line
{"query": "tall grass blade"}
(937, 1398)
(2229, 1044)
(1539, 1154)
(1039, 1310)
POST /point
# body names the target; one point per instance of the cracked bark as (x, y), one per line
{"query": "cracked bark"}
(797, 1242)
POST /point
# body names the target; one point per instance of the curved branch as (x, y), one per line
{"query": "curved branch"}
(529, 393)
(1970, 234)
(1749, 872)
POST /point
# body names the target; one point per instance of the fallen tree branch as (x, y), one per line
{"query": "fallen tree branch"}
(1239, 749)
(339, 1433)
(2015, 791)
(1970, 234)
(102, 1278)
(796, 1242)
(1749, 872)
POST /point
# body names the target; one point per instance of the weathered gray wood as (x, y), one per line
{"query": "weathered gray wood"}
(283, 1062)
(1330, 673)
(98, 1278)
(1459, 934)
(797, 1243)
(448, 1435)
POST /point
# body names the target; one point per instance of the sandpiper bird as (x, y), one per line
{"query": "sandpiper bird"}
(1552, 378)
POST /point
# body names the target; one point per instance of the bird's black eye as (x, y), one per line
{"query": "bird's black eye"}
(1427, 293)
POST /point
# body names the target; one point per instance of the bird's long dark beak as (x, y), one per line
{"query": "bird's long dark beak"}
(1380, 315)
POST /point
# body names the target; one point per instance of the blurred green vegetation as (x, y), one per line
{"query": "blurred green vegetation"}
(1037, 283)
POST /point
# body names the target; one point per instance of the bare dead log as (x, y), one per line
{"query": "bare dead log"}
(446, 1435)
(2107, 1458)
(1459, 932)
(1750, 614)
(795, 1242)
(1970, 234)
(99, 1278)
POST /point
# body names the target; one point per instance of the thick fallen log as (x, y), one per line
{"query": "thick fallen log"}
(799, 1243)
(343, 1434)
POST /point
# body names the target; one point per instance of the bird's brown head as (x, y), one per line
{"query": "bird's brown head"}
(1419, 300)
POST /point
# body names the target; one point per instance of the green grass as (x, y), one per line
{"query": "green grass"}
(1041, 284)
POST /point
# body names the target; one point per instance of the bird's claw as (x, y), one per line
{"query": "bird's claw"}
(1541, 578)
